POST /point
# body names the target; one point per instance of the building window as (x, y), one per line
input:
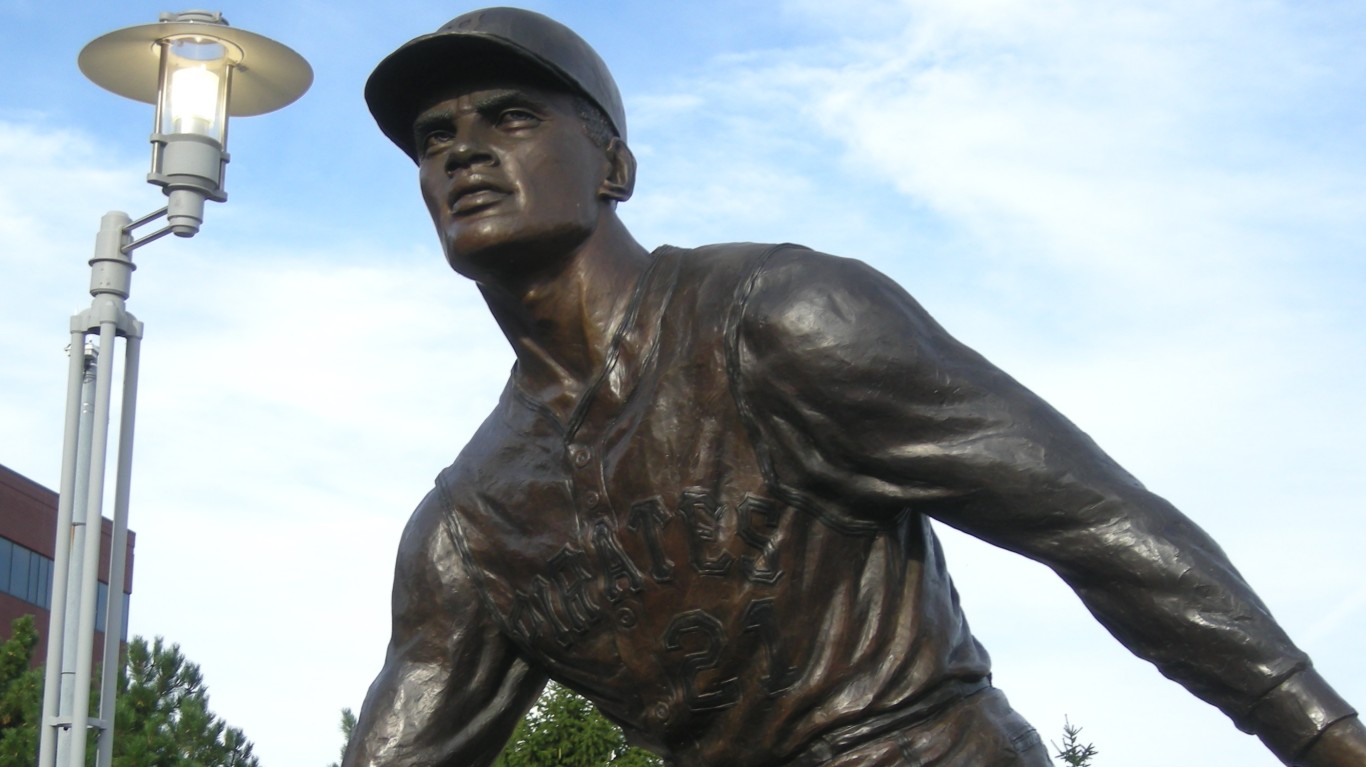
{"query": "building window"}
(6, 554)
(18, 573)
(26, 574)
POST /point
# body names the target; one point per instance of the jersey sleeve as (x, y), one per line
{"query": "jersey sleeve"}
(858, 400)
(452, 687)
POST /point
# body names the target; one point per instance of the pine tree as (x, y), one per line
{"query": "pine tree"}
(20, 695)
(565, 730)
(348, 723)
(1072, 752)
(164, 718)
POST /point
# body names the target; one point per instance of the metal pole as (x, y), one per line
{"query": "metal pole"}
(61, 556)
(84, 452)
(78, 531)
(118, 548)
(85, 647)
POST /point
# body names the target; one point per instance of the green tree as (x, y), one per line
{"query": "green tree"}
(348, 723)
(1073, 752)
(20, 695)
(565, 730)
(163, 716)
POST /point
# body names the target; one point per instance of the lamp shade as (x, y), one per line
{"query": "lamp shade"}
(266, 75)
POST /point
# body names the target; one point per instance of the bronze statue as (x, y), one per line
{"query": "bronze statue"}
(703, 499)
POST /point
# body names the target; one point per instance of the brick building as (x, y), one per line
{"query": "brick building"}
(28, 530)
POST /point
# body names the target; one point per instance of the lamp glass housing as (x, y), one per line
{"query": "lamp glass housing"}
(193, 87)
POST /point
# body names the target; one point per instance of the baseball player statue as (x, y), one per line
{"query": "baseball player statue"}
(703, 500)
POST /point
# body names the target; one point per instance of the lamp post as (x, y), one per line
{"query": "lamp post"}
(198, 71)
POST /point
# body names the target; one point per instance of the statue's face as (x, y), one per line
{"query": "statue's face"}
(510, 176)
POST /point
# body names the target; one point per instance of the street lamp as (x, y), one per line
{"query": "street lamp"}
(186, 65)
(198, 71)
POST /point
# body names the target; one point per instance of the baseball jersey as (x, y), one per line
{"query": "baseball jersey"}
(727, 544)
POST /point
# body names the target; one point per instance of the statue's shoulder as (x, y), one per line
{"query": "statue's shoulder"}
(749, 265)
(787, 262)
(794, 297)
(737, 259)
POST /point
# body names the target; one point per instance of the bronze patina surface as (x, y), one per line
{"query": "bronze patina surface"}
(704, 499)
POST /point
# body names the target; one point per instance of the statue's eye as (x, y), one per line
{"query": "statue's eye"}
(435, 139)
(517, 118)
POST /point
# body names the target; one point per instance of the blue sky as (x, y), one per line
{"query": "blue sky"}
(1152, 213)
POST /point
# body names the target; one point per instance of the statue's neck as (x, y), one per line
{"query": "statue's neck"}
(561, 325)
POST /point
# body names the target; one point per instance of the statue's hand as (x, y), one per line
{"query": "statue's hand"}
(1342, 745)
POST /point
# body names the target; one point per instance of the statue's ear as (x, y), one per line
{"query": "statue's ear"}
(621, 172)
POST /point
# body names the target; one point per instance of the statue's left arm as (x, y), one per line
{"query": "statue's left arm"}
(858, 398)
(452, 687)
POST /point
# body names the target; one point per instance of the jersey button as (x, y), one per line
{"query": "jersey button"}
(658, 714)
(579, 455)
(591, 499)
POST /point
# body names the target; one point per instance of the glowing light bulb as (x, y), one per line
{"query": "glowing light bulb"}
(194, 101)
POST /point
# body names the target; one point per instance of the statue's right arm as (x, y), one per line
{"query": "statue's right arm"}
(452, 688)
(862, 401)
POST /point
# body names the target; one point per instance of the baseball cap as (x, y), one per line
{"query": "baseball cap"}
(492, 40)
